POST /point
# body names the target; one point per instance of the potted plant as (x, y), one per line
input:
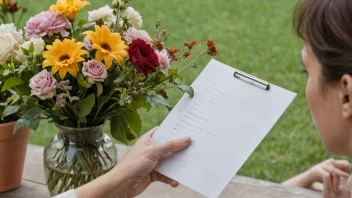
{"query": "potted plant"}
(92, 73)
(13, 100)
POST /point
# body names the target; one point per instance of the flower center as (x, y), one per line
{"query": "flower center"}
(106, 46)
(64, 57)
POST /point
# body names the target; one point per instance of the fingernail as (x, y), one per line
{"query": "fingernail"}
(174, 183)
(187, 139)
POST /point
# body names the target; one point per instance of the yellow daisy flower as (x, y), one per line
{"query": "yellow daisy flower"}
(64, 57)
(109, 45)
(69, 8)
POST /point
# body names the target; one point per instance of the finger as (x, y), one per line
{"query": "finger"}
(173, 145)
(151, 132)
(155, 176)
(335, 183)
(327, 182)
(342, 164)
(340, 173)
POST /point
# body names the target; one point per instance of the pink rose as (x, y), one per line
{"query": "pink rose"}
(134, 34)
(47, 23)
(43, 85)
(95, 71)
(163, 60)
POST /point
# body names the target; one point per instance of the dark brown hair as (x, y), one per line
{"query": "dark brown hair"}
(326, 26)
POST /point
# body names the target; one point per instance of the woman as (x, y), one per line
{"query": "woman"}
(326, 29)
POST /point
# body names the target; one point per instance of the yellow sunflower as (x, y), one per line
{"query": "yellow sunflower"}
(63, 56)
(69, 8)
(109, 45)
(6, 2)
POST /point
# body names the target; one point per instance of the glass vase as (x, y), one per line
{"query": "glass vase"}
(76, 156)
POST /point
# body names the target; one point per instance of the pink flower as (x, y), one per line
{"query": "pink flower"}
(64, 85)
(61, 100)
(43, 85)
(95, 71)
(47, 23)
(87, 44)
(163, 60)
(134, 34)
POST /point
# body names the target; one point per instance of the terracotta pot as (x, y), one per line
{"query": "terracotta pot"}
(12, 155)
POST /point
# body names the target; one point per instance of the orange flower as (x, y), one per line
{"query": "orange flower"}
(186, 54)
(212, 51)
(172, 52)
(191, 44)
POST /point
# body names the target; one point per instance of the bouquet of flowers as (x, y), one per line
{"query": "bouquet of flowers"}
(81, 74)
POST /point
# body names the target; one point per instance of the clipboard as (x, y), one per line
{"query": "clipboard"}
(226, 122)
(252, 79)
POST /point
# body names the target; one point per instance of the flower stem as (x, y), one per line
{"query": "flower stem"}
(190, 63)
(73, 29)
(19, 20)
(112, 92)
(13, 18)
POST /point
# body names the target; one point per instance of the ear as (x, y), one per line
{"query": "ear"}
(346, 95)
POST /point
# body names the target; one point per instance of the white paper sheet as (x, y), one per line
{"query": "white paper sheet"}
(226, 119)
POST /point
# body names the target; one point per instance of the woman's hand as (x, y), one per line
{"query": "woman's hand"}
(135, 172)
(328, 172)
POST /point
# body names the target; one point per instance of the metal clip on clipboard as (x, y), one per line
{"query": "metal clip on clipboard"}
(252, 79)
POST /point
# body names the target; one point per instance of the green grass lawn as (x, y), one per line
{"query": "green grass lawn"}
(255, 36)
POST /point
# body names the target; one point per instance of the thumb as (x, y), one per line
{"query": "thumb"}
(172, 145)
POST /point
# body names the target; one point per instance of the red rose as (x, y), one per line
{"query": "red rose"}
(12, 7)
(143, 57)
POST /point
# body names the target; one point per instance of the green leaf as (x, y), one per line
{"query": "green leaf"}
(81, 23)
(187, 89)
(10, 110)
(23, 90)
(6, 72)
(11, 82)
(30, 118)
(13, 99)
(99, 89)
(83, 120)
(31, 48)
(85, 106)
(25, 51)
(134, 121)
(73, 98)
(82, 82)
(61, 117)
(139, 101)
(157, 101)
(120, 130)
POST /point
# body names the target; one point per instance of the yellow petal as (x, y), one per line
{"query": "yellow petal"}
(99, 56)
(108, 62)
(54, 69)
(62, 73)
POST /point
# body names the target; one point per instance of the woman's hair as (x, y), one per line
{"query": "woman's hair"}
(326, 26)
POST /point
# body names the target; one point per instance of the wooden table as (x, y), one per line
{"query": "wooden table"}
(33, 185)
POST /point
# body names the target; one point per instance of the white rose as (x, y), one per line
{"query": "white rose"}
(38, 44)
(11, 28)
(133, 17)
(104, 13)
(9, 47)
